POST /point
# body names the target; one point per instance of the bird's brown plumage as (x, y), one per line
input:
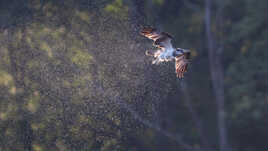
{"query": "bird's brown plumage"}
(161, 39)
(181, 64)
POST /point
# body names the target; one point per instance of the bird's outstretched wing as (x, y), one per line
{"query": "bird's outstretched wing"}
(161, 39)
(181, 64)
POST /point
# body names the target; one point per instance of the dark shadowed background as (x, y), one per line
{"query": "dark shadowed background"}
(74, 76)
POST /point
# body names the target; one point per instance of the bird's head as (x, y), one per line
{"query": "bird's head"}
(183, 50)
(180, 52)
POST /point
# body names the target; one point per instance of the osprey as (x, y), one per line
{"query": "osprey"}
(166, 52)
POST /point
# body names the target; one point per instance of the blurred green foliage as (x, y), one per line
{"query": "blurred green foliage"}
(66, 67)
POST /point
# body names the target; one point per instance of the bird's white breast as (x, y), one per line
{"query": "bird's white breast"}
(167, 55)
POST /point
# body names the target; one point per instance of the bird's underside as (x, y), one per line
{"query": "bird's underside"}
(165, 51)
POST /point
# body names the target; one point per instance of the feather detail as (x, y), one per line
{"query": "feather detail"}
(167, 52)
(181, 64)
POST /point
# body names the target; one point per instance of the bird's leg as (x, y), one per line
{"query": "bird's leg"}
(151, 53)
(156, 61)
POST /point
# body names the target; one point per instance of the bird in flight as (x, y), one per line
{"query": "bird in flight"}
(166, 52)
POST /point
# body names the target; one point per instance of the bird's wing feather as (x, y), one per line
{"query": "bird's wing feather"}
(181, 64)
(161, 39)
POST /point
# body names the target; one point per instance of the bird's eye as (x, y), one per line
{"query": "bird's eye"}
(180, 50)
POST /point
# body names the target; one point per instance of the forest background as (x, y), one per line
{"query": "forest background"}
(74, 76)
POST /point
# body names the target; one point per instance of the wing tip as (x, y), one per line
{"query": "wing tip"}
(182, 68)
